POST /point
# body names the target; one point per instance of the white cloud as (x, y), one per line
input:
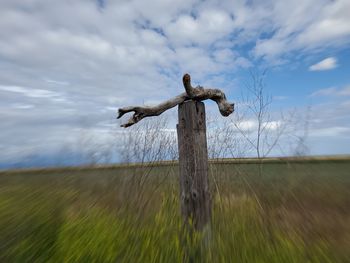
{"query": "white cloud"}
(34, 93)
(22, 106)
(247, 125)
(332, 91)
(324, 92)
(326, 64)
(279, 97)
(210, 25)
(250, 125)
(270, 47)
(272, 125)
(344, 91)
(128, 52)
(308, 25)
(331, 25)
(330, 132)
(57, 82)
(115, 109)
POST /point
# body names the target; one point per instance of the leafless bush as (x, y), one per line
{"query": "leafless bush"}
(261, 128)
(224, 141)
(141, 148)
(149, 141)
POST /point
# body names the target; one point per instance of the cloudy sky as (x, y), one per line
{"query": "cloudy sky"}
(66, 66)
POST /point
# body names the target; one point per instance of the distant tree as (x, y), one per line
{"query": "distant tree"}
(254, 119)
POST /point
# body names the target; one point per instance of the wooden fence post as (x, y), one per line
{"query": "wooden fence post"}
(193, 164)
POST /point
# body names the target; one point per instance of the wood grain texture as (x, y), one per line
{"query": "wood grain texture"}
(193, 164)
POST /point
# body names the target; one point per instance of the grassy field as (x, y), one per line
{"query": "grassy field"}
(278, 211)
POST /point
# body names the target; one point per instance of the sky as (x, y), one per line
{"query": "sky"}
(67, 66)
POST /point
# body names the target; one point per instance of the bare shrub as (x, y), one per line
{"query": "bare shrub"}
(141, 148)
(261, 128)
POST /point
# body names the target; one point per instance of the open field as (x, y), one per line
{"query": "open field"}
(280, 210)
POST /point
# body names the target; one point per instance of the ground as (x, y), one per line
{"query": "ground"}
(278, 211)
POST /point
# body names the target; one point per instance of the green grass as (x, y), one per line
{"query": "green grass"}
(283, 211)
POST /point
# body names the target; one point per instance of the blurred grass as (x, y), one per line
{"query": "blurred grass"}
(282, 211)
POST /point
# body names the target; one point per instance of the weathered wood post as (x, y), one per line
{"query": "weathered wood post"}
(193, 164)
(193, 156)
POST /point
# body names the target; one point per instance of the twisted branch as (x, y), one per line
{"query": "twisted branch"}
(197, 93)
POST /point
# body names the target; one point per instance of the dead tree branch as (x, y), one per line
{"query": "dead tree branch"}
(198, 93)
